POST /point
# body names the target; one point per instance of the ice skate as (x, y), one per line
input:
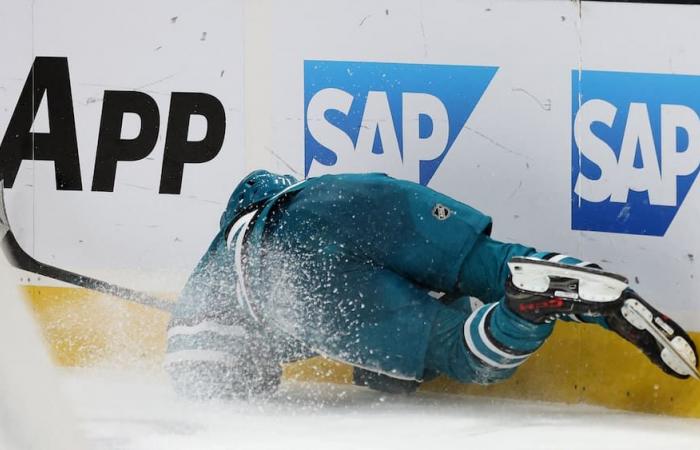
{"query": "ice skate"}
(542, 290)
(661, 339)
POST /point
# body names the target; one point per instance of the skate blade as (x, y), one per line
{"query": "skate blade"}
(676, 353)
(594, 285)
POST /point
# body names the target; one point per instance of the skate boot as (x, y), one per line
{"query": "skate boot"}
(540, 291)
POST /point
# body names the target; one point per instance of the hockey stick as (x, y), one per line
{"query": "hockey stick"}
(21, 260)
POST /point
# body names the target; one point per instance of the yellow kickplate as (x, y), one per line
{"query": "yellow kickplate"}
(83, 328)
(578, 364)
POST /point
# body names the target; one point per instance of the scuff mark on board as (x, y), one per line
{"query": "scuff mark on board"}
(422, 30)
(496, 143)
(515, 191)
(624, 214)
(137, 186)
(195, 198)
(160, 80)
(546, 105)
(283, 161)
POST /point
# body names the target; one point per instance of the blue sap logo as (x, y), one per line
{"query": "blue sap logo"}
(397, 118)
(636, 149)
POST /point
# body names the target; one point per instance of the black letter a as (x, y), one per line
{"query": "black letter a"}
(48, 75)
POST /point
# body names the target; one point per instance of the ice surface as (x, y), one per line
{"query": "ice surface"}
(130, 411)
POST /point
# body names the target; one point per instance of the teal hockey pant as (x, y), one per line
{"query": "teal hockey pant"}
(351, 268)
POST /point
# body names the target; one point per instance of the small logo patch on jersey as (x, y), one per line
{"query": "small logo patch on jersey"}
(441, 212)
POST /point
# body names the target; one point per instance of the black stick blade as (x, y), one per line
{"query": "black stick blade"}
(20, 259)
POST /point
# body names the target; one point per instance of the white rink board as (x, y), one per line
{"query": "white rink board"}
(156, 48)
(512, 158)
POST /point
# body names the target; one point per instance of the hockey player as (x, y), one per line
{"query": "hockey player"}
(378, 273)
